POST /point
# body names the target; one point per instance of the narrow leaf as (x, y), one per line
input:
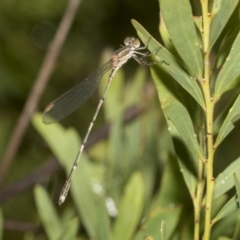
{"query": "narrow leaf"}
(63, 142)
(225, 227)
(225, 181)
(198, 21)
(70, 230)
(130, 209)
(111, 103)
(170, 64)
(163, 230)
(223, 51)
(148, 238)
(168, 195)
(224, 238)
(227, 209)
(166, 88)
(182, 31)
(153, 222)
(218, 204)
(236, 235)
(230, 70)
(165, 35)
(228, 124)
(221, 12)
(223, 114)
(47, 213)
(237, 184)
(89, 196)
(180, 118)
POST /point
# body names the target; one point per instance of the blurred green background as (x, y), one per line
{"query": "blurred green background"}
(26, 29)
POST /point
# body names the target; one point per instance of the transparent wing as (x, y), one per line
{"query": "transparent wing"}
(76, 96)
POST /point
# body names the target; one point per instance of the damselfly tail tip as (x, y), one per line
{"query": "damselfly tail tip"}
(64, 192)
(61, 199)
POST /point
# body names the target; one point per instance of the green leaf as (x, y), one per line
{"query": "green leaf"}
(168, 195)
(171, 64)
(158, 147)
(223, 52)
(227, 209)
(180, 118)
(68, 214)
(63, 142)
(165, 35)
(133, 88)
(163, 230)
(237, 184)
(230, 70)
(218, 204)
(224, 238)
(225, 181)
(88, 192)
(47, 213)
(223, 114)
(221, 12)
(236, 235)
(186, 230)
(225, 226)
(70, 230)
(228, 124)
(115, 160)
(198, 21)
(87, 184)
(166, 88)
(130, 209)
(187, 164)
(112, 103)
(165, 84)
(153, 222)
(148, 238)
(183, 33)
(237, 227)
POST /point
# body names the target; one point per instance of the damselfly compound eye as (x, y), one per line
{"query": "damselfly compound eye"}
(136, 43)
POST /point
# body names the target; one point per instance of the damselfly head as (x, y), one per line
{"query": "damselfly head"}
(132, 41)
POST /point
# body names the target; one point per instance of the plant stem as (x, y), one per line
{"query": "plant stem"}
(209, 119)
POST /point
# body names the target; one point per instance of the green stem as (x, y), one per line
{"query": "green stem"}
(205, 83)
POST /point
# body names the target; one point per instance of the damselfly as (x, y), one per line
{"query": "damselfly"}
(71, 100)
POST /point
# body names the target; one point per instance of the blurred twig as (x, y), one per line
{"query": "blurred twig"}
(40, 175)
(14, 225)
(42, 78)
